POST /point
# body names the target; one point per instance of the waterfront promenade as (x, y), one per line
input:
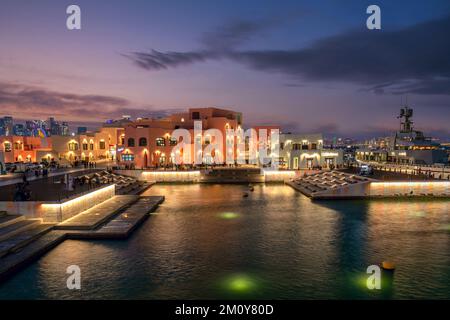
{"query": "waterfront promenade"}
(419, 171)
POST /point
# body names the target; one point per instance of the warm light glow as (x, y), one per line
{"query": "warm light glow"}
(330, 154)
(275, 172)
(170, 172)
(81, 198)
(410, 184)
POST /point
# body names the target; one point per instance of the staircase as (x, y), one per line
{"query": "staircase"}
(16, 232)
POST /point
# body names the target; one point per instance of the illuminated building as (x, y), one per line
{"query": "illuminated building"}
(306, 151)
(149, 142)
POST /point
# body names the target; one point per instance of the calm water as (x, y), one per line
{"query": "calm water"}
(207, 241)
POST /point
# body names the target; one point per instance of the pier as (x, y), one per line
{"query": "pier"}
(341, 185)
(24, 240)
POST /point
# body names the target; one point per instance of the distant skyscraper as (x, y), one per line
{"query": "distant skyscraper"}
(81, 130)
(30, 128)
(64, 129)
(53, 127)
(8, 125)
(19, 129)
(2, 127)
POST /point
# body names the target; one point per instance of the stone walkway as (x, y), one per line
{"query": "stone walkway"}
(95, 216)
(121, 226)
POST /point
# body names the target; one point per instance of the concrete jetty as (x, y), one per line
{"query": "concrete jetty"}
(115, 218)
(124, 223)
(333, 185)
(95, 216)
(14, 261)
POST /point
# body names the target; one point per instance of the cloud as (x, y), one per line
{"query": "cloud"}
(217, 44)
(238, 32)
(39, 102)
(414, 59)
(156, 60)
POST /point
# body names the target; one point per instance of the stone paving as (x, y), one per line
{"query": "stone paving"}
(122, 225)
(93, 217)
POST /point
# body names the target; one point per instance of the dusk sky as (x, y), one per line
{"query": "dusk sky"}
(310, 66)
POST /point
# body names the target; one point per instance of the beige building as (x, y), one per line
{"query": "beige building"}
(92, 146)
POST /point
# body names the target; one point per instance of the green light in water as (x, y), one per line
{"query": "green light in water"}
(418, 214)
(445, 227)
(360, 282)
(240, 283)
(229, 215)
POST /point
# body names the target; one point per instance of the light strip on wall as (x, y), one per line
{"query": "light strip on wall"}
(170, 172)
(81, 198)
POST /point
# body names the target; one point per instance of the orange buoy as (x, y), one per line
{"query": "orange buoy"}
(387, 265)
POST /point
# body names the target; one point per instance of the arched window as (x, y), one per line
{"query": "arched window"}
(142, 142)
(73, 146)
(130, 142)
(160, 142)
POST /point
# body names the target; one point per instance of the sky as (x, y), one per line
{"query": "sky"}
(309, 66)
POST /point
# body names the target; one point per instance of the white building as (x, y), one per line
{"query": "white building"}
(305, 151)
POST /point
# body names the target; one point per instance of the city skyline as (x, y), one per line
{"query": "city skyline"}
(149, 60)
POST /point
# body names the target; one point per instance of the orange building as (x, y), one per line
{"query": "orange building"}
(149, 142)
(92, 146)
(25, 149)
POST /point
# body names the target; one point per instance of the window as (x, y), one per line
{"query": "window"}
(142, 142)
(304, 147)
(173, 141)
(195, 115)
(128, 157)
(122, 140)
(160, 142)
(73, 146)
(296, 146)
(295, 165)
(130, 142)
(102, 145)
(17, 146)
(7, 146)
(313, 146)
(85, 146)
(91, 146)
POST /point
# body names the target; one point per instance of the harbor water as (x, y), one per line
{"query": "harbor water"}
(210, 242)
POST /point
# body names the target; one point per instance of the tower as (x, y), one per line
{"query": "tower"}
(406, 113)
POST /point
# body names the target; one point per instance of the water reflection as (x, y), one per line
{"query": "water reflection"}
(207, 241)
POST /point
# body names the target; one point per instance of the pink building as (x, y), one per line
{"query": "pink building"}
(149, 142)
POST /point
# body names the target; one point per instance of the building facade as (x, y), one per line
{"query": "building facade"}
(101, 145)
(306, 151)
(149, 142)
(25, 149)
